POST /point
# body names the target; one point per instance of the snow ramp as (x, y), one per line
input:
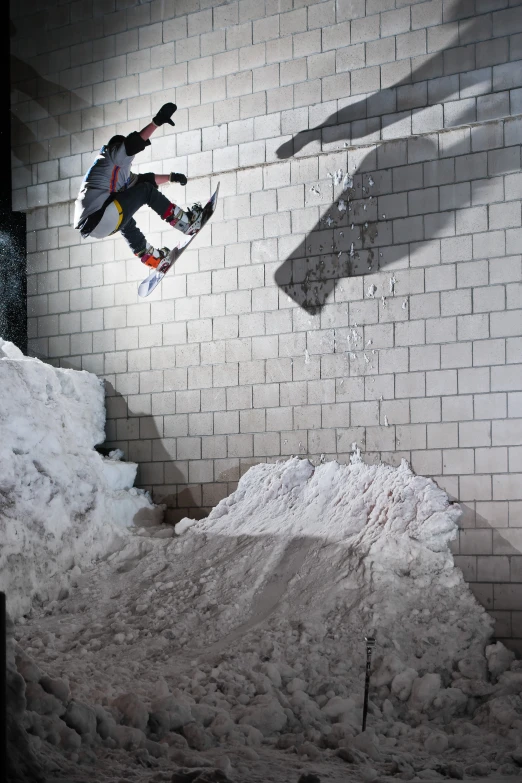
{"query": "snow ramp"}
(245, 634)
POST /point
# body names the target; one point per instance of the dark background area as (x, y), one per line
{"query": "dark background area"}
(13, 264)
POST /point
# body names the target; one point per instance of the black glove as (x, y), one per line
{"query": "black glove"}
(164, 114)
(181, 178)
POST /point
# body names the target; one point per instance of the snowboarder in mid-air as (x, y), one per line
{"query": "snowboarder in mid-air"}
(110, 194)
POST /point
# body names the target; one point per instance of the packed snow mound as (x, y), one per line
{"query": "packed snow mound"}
(62, 504)
(370, 545)
(245, 634)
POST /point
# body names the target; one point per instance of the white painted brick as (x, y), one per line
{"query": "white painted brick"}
(412, 384)
(350, 58)
(424, 357)
(410, 333)
(504, 215)
(267, 444)
(489, 352)
(473, 488)
(455, 302)
(426, 463)
(477, 433)
(279, 49)
(476, 542)
(365, 80)
(252, 420)
(293, 22)
(442, 436)
(438, 278)
(442, 382)
(513, 237)
(506, 432)
(307, 43)
(456, 355)
(514, 295)
(471, 274)
(459, 408)
(239, 398)
(474, 380)
(458, 461)
(515, 404)
(395, 21)
(226, 63)
(226, 16)
(507, 487)
(505, 324)
(488, 299)
(490, 244)
(411, 436)
(266, 29)
(365, 29)
(425, 410)
(321, 65)
(252, 154)
(491, 460)
(364, 413)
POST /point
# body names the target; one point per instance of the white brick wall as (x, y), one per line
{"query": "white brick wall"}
(220, 368)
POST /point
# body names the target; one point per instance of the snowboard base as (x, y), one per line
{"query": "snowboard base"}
(156, 276)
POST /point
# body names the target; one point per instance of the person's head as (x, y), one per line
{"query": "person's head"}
(115, 141)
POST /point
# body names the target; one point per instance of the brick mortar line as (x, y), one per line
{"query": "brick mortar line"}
(322, 153)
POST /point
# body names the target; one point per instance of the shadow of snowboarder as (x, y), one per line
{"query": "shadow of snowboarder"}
(346, 240)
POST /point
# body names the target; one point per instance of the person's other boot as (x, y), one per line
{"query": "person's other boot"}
(187, 222)
(153, 256)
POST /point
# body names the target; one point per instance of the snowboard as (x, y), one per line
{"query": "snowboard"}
(157, 275)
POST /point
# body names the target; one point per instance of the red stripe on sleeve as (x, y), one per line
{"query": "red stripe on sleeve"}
(114, 178)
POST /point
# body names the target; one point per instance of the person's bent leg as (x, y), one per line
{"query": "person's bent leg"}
(137, 242)
(134, 237)
(146, 192)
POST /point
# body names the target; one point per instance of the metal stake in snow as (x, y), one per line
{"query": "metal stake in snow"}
(370, 644)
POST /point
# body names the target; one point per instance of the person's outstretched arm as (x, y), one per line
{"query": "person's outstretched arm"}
(164, 115)
(147, 131)
(161, 179)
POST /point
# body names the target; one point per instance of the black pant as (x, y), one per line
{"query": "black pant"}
(130, 201)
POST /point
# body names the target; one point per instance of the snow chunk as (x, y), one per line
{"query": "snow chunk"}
(402, 683)
(183, 525)
(437, 743)
(81, 718)
(424, 691)
(119, 475)
(9, 350)
(266, 715)
(499, 658)
(133, 710)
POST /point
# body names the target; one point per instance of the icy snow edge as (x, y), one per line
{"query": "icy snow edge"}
(62, 505)
(337, 502)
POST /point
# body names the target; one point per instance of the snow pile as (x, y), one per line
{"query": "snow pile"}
(239, 645)
(62, 504)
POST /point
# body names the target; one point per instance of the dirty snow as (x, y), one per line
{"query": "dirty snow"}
(235, 645)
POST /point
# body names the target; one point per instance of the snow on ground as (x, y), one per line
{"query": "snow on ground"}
(238, 646)
(63, 505)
